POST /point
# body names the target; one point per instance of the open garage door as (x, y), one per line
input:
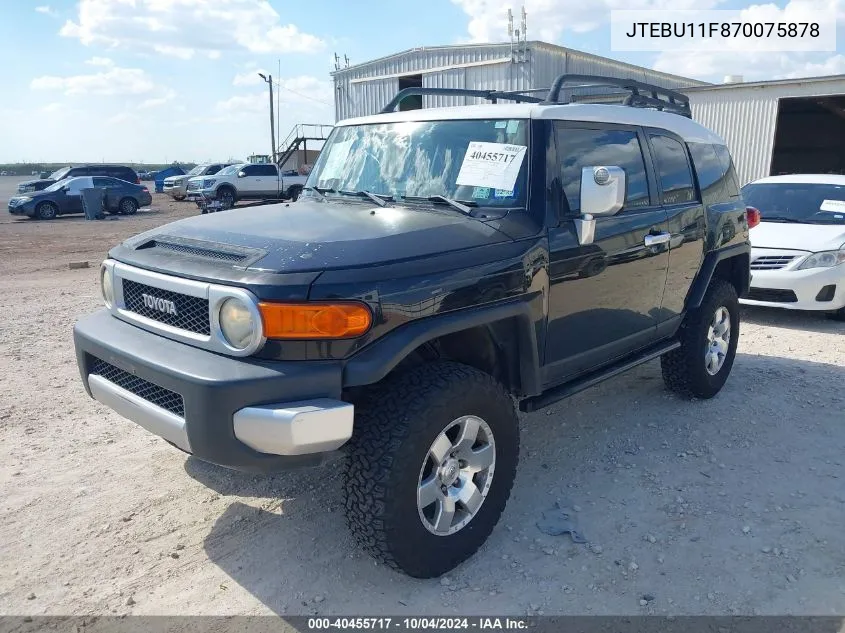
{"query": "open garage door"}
(810, 136)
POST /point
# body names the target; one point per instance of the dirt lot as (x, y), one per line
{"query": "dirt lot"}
(731, 506)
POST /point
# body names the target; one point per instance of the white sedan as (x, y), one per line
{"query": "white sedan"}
(798, 249)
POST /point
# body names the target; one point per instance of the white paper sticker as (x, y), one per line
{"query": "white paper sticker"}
(832, 205)
(482, 193)
(338, 155)
(493, 165)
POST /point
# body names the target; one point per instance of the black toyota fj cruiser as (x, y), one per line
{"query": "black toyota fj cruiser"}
(441, 265)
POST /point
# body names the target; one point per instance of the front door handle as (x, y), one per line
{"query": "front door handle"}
(654, 240)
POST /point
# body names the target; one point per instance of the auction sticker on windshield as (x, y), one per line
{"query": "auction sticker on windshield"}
(832, 205)
(493, 165)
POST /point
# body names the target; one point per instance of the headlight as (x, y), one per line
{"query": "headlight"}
(23, 199)
(825, 259)
(208, 183)
(237, 323)
(106, 286)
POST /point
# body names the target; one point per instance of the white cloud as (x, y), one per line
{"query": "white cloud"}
(249, 78)
(120, 117)
(111, 81)
(738, 57)
(46, 10)
(156, 102)
(549, 19)
(99, 61)
(52, 107)
(184, 28)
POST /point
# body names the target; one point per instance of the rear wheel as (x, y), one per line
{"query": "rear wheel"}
(709, 336)
(226, 197)
(46, 211)
(431, 466)
(180, 198)
(128, 206)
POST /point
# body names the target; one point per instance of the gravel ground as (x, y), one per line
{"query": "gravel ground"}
(730, 506)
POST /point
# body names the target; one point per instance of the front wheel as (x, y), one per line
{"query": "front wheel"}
(128, 206)
(46, 211)
(431, 466)
(226, 197)
(293, 193)
(709, 336)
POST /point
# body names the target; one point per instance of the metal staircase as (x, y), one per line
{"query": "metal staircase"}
(299, 137)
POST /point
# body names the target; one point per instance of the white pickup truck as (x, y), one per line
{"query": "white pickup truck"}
(246, 181)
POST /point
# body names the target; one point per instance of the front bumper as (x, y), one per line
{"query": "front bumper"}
(176, 190)
(246, 414)
(199, 194)
(798, 289)
(22, 209)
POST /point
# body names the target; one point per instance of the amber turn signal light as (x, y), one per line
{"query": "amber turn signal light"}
(315, 320)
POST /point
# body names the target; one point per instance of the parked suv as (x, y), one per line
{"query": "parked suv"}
(441, 265)
(177, 186)
(110, 171)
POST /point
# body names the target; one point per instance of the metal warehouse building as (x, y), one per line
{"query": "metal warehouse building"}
(771, 127)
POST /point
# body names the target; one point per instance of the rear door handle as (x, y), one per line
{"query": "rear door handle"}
(654, 240)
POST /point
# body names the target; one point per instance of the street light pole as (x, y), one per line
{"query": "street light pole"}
(269, 80)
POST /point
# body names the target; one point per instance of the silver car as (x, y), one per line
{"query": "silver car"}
(177, 186)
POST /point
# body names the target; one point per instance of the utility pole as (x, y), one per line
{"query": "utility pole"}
(269, 80)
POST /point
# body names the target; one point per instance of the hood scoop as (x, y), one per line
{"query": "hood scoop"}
(236, 255)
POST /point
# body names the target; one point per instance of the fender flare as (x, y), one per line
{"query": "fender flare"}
(708, 268)
(378, 359)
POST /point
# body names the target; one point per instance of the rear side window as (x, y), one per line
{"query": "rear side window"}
(260, 170)
(732, 180)
(673, 170)
(123, 173)
(578, 148)
(77, 171)
(714, 173)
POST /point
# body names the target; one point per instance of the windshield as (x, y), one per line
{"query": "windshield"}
(481, 161)
(806, 203)
(59, 173)
(228, 171)
(196, 171)
(57, 185)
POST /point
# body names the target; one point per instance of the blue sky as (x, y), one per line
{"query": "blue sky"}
(164, 80)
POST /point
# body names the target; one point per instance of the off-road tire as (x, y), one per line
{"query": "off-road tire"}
(684, 370)
(394, 427)
(46, 211)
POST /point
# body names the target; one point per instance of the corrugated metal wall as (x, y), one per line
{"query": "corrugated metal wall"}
(746, 117)
(478, 67)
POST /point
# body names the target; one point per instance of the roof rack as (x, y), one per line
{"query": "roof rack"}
(491, 95)
(675, 102)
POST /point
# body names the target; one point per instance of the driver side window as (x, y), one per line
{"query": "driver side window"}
(578, 148)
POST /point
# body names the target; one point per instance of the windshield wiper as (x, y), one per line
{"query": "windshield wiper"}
(780, 218)
(464, 206)
(380, 199)
(320, 192)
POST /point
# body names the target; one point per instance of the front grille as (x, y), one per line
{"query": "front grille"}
(201, 252)
(193, 186)
(772, 294)
(191, 312)
(771, 262)
(159, 396)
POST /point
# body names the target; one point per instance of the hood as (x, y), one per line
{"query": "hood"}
(174, 178)
(310, 235)
(798, 237)
(43, 182)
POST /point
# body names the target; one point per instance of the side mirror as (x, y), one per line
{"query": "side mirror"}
(241, 174)
(602, 194)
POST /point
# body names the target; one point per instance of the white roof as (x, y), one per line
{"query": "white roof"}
(812, 179)
(686, 128)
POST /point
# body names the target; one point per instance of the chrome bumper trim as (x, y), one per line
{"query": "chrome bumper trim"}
(155, 419)
(295, 428)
